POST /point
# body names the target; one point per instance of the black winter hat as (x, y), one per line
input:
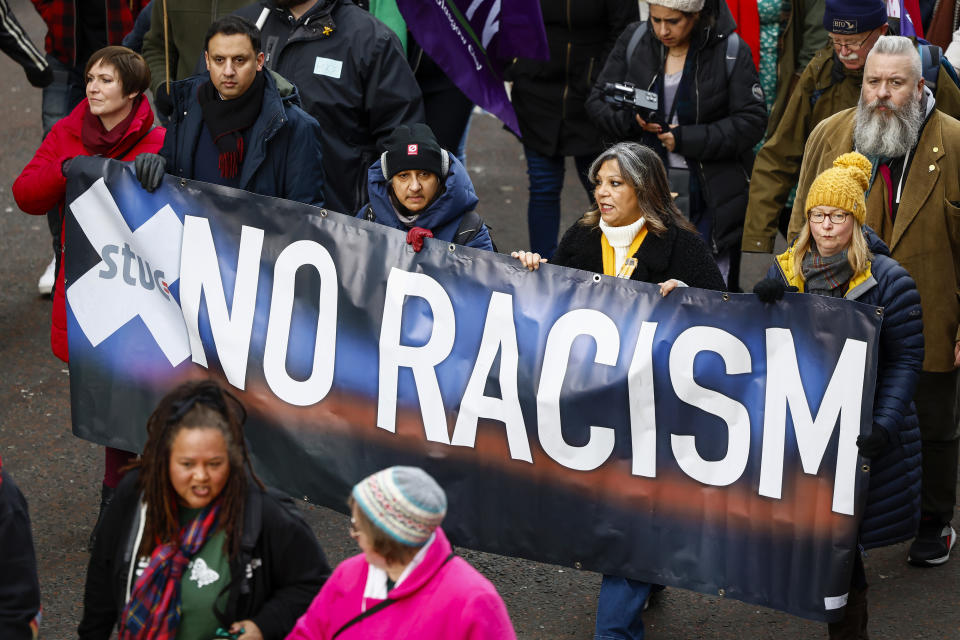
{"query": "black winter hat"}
(413, 148)
(847, 17)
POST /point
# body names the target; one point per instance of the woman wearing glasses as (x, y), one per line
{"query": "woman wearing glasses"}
(836, 256)
(406, 582)
(193, 546)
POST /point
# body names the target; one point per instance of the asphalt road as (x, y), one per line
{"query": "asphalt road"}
(60, 475)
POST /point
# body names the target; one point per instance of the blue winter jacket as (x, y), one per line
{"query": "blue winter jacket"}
(283, 157)
(444, 214)
(893, 496)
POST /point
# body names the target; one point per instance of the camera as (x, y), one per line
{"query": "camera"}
(624, 95)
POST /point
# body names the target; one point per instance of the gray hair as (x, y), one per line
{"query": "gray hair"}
(899, 46)
(642, 168)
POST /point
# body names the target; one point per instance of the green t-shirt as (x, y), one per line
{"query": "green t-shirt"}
(203, 580)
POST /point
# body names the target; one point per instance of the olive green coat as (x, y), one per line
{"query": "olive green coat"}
(187, 24)
(777, 166)
(925, 238)
(801, 36)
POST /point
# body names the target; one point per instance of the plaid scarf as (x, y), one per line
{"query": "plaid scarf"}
(153, 612)
(826, 276)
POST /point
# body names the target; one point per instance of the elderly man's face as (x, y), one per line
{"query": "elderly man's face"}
(888, 81)
(852, 49)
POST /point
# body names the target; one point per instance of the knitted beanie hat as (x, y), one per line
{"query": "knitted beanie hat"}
(842, 186)
(687, 6)
(412, 148)
(847, 17)
(404, 502)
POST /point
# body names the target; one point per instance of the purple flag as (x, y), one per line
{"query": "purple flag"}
(474, 40)
(906, 24)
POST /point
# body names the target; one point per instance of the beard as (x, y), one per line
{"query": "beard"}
(886, 134)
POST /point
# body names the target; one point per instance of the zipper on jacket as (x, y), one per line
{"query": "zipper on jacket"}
(566, 84)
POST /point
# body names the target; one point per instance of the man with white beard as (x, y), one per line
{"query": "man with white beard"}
(830, 83)
(913, 203)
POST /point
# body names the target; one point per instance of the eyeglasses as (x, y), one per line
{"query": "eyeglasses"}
(851, 46)
(836, 217)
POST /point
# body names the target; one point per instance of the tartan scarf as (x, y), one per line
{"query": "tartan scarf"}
(153, 612)
(826, 276)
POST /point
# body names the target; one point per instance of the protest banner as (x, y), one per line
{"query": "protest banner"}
(702, 440)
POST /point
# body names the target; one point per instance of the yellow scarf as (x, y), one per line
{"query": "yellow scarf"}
(610, 260)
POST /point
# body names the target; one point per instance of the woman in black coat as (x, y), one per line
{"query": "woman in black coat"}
(548, 97)
(635, 232)
(709, 116)
(193, 542)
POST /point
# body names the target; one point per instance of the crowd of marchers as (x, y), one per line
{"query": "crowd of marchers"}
(698, 132)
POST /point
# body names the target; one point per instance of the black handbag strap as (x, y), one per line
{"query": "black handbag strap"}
(380, 606)
(366, 614)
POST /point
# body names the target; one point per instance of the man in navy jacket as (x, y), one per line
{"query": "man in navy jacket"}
(239, 125)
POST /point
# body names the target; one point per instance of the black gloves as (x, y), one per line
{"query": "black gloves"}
(161, 99)
(39, 78)
(150, 168)
(873, 445)
(772, 289)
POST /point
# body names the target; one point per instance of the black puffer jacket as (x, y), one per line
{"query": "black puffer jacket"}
(274, 578)
(353, 78)
(677, 253)
(721, 117)
(548, 95)
(893, 497)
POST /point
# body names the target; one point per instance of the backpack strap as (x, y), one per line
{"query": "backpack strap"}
(733, 47)
(930, 55)
(634, 41)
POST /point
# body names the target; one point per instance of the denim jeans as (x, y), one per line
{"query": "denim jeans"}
(620, 608)
(63, 94)
(59, 98)
(543, 209)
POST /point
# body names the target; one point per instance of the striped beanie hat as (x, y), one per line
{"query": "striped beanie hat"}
(404, 502)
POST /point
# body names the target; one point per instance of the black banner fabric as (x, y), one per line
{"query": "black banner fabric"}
(701, 440)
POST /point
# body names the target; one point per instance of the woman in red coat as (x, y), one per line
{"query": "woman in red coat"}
(114, 121)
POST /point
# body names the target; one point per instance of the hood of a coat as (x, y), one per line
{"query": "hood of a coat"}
(457, 198)
(877, 246)
(716, 23)
(433, 561)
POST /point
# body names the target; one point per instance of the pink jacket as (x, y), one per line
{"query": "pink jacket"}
(439, 600)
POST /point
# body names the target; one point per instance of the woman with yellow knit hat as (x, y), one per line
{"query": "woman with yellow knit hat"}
(836, 255)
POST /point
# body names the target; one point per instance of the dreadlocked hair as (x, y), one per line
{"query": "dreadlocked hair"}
(193, 405)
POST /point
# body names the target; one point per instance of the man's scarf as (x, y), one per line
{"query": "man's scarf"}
(227, 121)
(153, 612)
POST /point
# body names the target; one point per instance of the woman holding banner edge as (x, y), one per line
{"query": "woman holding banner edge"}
(836, 255)
(115, 121)
(636, 232)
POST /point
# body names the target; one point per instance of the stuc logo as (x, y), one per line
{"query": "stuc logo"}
(412, 149)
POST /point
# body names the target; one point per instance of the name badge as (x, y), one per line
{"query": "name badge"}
(327, 67)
